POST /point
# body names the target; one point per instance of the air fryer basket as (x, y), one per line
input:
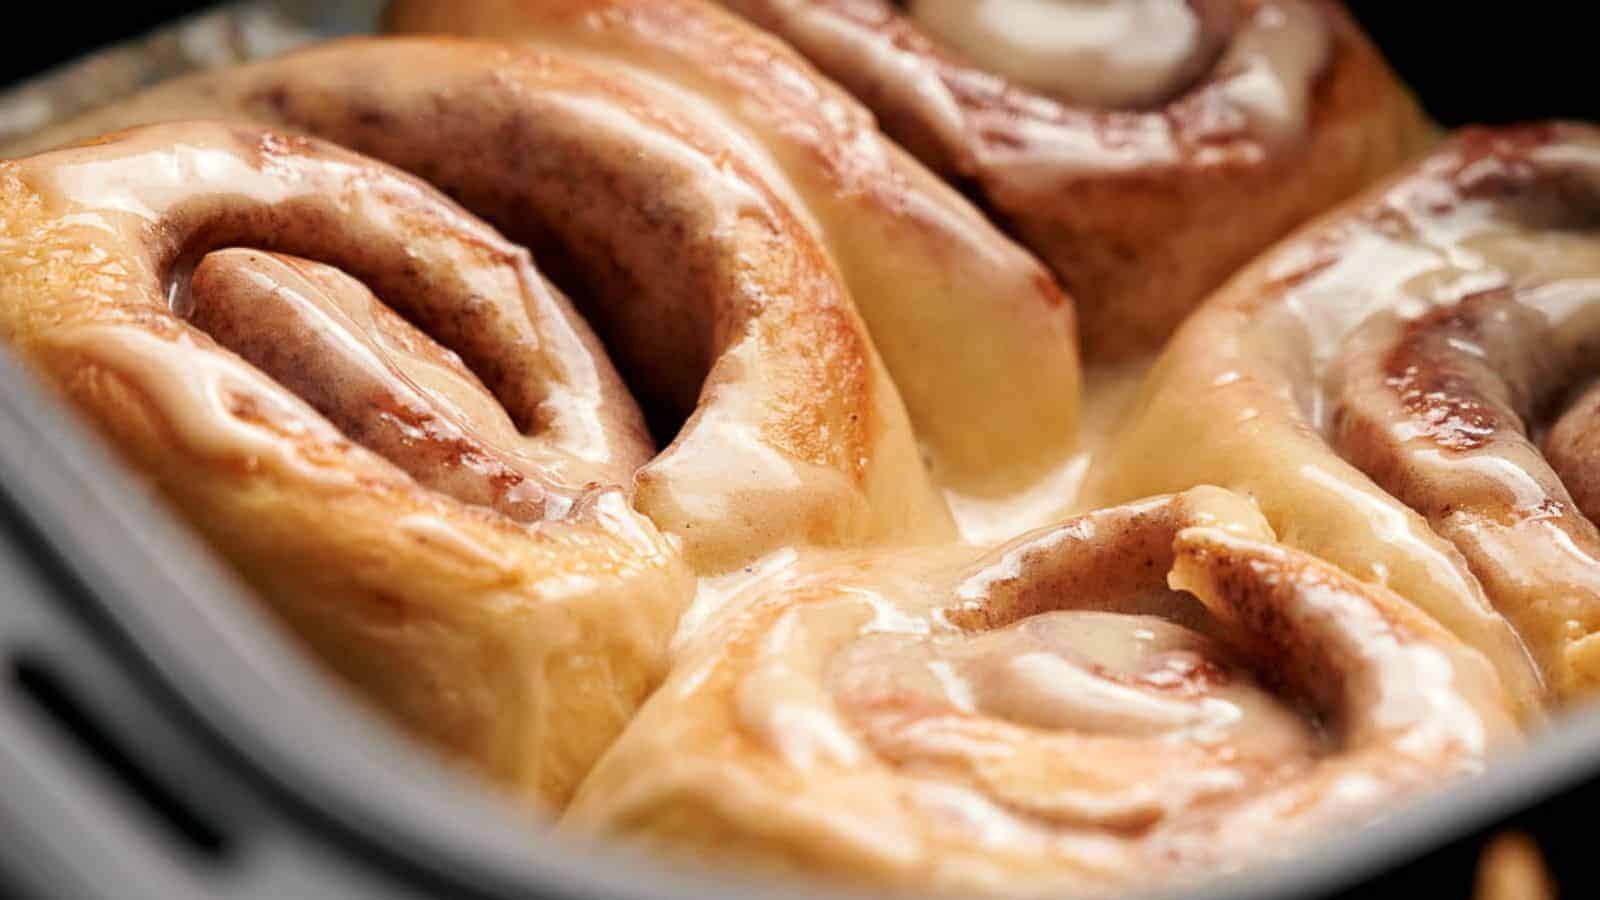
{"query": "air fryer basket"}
(160, 738)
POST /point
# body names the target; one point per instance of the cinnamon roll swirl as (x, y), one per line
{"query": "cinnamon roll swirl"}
(448, 528)
(420, 453)
(453, 531)
(1390, 375)
(1145, 149)
(961, 315)
(1049, 717)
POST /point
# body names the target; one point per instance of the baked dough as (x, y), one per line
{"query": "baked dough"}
(1048, 718)
(1242, 119)
(460, 550)
(1381, 376)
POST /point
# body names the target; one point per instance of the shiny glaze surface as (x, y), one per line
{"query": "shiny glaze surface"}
(924, 269)
(382, 382)
(1387, 370)
(1258, 113)
(433, 571)
(721, 306)
(1109, 55)
(794, 433)
(1048, 716)
(859, 685)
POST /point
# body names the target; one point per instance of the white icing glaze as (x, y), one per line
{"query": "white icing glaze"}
(168, 175)
(438, 532)
(903, 72)
(716, 594)
(1272, 64)
(709, 115)
(200, 393)
(1091, 672)
(384, 382)
(1108, 393)
(1444, 307)
(784, 699)
(821, 154)
(151, 176)
(1080, 748)
(1110, 53)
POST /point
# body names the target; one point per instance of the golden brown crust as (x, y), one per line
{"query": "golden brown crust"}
(960, 314)
(455, 619)
(723, 310)
(1141, 213)
(1389, 367)
(1034, 720)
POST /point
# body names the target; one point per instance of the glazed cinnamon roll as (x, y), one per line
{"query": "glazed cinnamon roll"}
(689, 506)
(1144, 148)
(429, 488)
(712, 294)
(697, 264)
(695, 271)
(963, 317)
(1136, 695)
(1388, 378)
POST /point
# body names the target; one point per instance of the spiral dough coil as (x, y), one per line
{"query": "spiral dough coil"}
(599, 172)
(1049, 717)
(456, 570)
(1145, 149)
(667, 534)
(469, 379)
(1392, 371)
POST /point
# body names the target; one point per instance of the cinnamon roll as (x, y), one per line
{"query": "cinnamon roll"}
(1387, 379)
(660, 533)
(963, 317)
(453, 531)
(1049, 717)
(1144, 148)
(429, 489)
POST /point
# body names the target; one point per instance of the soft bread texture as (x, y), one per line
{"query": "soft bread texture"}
(515, 611)
(1278, 110)
(960, 314)
(703, 273)
(1384, 373)
(721, 308)
(1048, 718)
(428, 460)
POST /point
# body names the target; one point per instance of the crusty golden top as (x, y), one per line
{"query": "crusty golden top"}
(438, 523)
(1048, 718)
(1382, 373)
(1145, 149)
(439, 467)
(960, 313)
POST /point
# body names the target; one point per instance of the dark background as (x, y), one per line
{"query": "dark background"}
(1491, 62)
(29, 47)
(1469, 62)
